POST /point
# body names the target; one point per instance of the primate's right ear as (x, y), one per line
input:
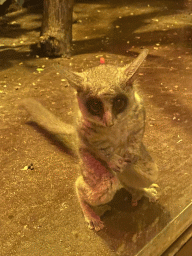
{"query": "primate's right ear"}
(75, 79)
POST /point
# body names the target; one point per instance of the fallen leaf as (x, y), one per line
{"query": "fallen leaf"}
(25, 168)
(40, 69)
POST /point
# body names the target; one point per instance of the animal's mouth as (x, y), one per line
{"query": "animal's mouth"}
(108, 124)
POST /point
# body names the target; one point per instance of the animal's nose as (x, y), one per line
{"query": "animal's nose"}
(108, 119)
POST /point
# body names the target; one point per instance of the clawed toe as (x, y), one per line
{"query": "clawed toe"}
(153, 200)
(154, 186)
(95, 223)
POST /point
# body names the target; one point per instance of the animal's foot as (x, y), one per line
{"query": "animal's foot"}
(151, 193)
(94, 222)
(134, 203)
(136, 196)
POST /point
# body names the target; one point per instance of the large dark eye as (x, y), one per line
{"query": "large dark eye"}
(119, 103)
(95, 106)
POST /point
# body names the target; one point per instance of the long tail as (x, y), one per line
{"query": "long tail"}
(63, 132)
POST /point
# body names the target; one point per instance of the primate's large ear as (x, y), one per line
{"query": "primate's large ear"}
(75, 79)
(131, 69)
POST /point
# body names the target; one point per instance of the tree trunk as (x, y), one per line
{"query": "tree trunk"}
(56, 30)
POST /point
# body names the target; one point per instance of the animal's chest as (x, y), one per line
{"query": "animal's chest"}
(107, 141)
(115, 137)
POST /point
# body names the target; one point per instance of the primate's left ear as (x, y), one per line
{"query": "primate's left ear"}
(131, 69)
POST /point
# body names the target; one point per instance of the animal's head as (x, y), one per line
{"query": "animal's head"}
(106, 93)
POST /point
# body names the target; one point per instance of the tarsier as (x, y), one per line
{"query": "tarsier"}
(109, 132)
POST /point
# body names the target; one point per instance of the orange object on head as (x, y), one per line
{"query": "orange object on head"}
(102, 60)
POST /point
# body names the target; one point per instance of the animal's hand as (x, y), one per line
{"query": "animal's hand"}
(117, 163)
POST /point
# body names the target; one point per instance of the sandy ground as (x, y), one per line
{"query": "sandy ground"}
(39, 211)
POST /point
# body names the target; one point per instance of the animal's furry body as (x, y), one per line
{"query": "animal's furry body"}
(110, 129)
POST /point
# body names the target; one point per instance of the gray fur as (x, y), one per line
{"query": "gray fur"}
(110, 148)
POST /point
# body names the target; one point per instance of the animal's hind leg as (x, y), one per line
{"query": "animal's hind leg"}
(93, 220)
(97, 186)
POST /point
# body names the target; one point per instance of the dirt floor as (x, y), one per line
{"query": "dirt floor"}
(39, 211)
